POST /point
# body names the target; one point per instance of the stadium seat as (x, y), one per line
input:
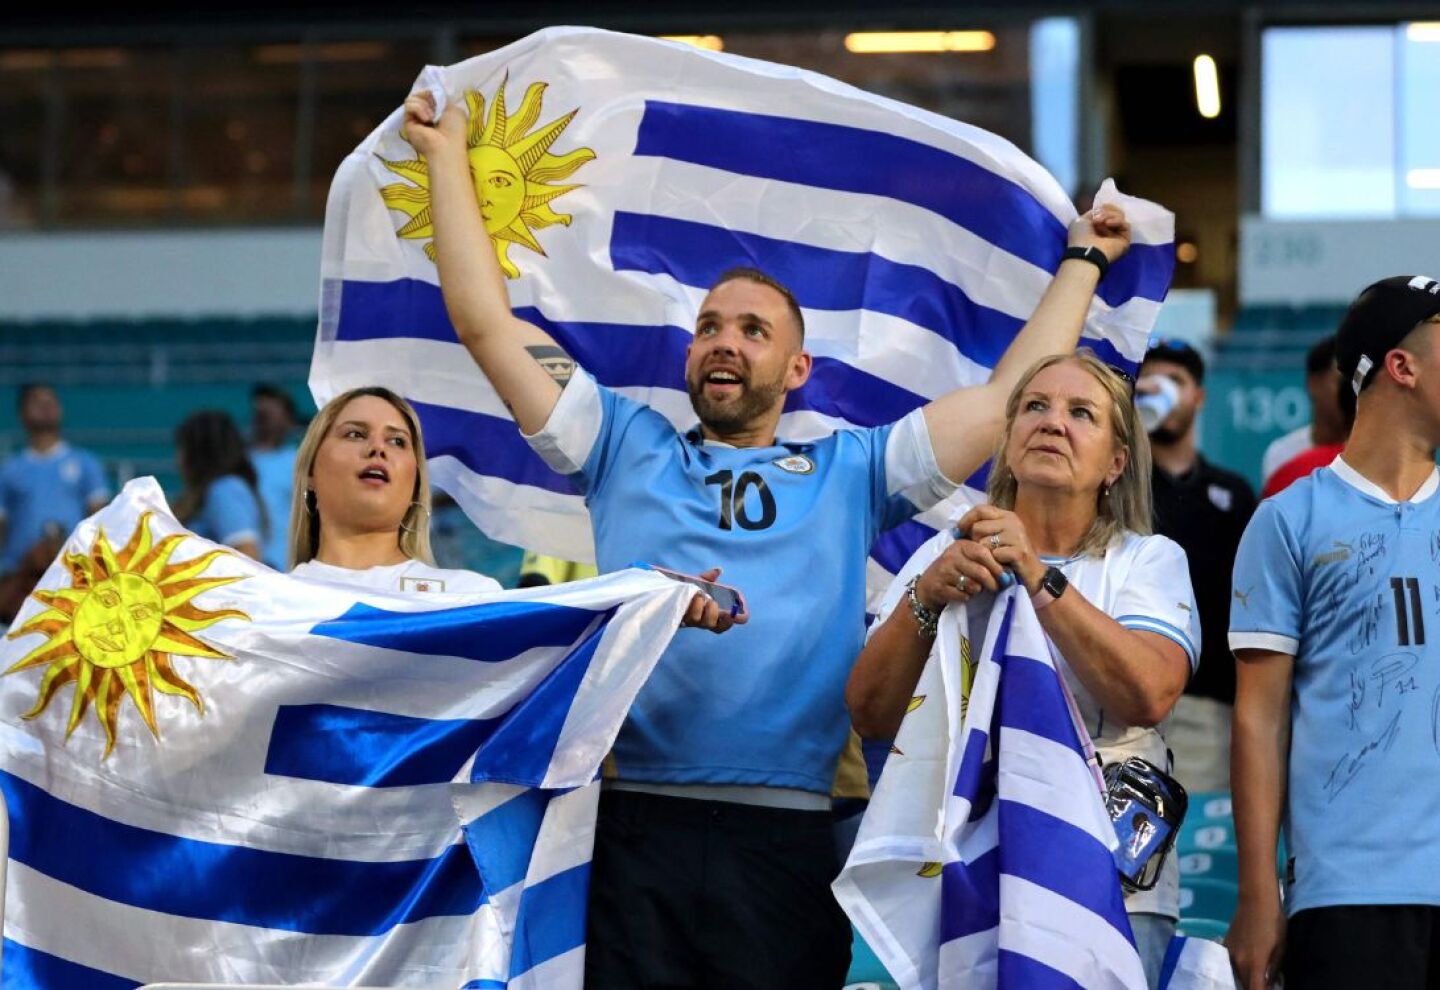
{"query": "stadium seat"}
(1208, 898)
(866, 970)
(1206, 837)
(1203, 928)
(1214, 864)
(1208, 807)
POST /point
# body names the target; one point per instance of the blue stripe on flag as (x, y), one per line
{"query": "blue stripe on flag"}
(1173, 951)
(618, 355)
(1072, 859)
(551, 920)
(503, 839)
(365, 748)
(489, 632)
(852, 159)
(1031, 700)
(1016, 970)
(970, 896)
(31, 969)
(821, 278)
(521, 748)
(217, 882)
(486, 445)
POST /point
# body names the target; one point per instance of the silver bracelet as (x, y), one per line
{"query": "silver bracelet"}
(928, 619)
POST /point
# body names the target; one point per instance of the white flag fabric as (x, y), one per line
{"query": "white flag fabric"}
(985, 859)
(620, 175)
(219, 773)
(1196, 964)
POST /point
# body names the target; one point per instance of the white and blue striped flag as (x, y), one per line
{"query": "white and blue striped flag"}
(621, 175)
(985, 860)
(218, 773)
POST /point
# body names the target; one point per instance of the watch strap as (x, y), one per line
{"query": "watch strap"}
(1091, 254)
(1052, 586)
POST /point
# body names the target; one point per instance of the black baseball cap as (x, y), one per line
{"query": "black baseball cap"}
(1178, 351)
(1379, 318)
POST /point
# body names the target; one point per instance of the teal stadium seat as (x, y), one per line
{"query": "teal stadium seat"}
(1203, 928)
(866, 970)
(1200, 898)
(1214, 864)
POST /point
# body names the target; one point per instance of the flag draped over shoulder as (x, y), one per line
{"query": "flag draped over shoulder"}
(218, 773)
(985, 859)
(621, 175)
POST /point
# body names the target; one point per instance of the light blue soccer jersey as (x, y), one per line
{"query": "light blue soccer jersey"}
(275, 476)
(230, 513)
(37, 489)
(791, 525)
(1335, 573)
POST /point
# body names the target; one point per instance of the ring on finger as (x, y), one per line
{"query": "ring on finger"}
(961, 582)
(994, 542)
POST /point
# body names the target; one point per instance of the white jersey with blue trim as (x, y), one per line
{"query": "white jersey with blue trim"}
(1337, 574)
(1143, 583)
(791, 527)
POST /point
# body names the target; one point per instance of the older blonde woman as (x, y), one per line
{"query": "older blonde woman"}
(360, 514)
(1068, 516)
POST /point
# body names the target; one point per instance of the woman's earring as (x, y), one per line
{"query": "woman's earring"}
(419, 504)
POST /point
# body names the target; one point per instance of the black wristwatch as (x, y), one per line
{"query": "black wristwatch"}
(1091, 254)
(1052, 586)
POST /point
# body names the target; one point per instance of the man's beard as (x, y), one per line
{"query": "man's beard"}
(1165, 434)
(734, 415)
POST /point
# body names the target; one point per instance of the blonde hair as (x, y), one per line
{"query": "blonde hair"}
(414, 532)
(1125, 505)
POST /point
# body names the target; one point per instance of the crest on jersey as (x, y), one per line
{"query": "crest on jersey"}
(795, 464)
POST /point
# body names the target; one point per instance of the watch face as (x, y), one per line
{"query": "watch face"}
(1054, 581)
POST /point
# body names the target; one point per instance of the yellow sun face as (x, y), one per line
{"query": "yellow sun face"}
(513, 171)
(115, 631)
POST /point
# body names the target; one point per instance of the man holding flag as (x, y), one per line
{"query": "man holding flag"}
(713, 858)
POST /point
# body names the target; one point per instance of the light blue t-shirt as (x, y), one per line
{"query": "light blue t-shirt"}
(1335, 573)
(37, 489)
(275, 474)
(791, 526)
(230, 513)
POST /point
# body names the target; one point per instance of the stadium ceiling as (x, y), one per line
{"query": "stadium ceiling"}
(141, 22)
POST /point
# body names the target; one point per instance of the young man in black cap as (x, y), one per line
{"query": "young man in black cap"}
(1337, 703)
(1204, 508)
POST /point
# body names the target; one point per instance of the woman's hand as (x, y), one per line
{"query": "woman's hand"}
(422, 131)
(1002, 534)
(957, 574)
(1104, 227)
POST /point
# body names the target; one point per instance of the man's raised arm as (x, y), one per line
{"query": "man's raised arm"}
(526, 366)
(966, 423)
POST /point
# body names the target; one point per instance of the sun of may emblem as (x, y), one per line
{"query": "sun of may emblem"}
(115, 631)
(513, 171)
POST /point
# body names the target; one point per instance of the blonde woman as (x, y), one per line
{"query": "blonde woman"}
(1068, 516)
(360, 514)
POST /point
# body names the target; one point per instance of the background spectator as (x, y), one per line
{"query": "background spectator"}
(221, 500)
(1327, 426)
(46, 488)
(272, 452)
(1204, 508)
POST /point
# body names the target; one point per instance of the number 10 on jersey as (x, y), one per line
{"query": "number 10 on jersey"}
(733, 509)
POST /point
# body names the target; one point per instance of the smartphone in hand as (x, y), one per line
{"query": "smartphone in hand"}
(729, 599)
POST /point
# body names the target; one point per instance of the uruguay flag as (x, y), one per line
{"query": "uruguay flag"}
(620, 175)
(985, 860)
(985, 857)
(217, 773)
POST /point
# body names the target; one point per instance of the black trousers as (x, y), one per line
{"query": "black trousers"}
(708, 894)
(1364, 947)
